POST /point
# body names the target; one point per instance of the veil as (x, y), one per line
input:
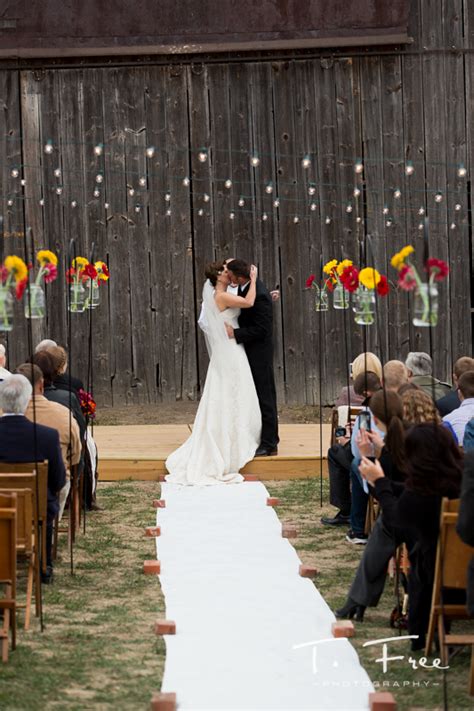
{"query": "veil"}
(215, 332)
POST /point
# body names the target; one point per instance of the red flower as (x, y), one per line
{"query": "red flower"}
(87, 402)
(437, 268)
(329, 283)
(3, 274)
(309, 281)
(406, 278)
(105, 271)
(350, 278)
(70, 274)
(382, 287)
(89, 272)
(20, 288)
(51, 272)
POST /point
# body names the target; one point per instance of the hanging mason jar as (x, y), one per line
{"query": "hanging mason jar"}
(78, 295)
(93, 294)
(364, 306)
(321, 302)
(340, 297)
(34, 302)
(6, 309)
(425, 308)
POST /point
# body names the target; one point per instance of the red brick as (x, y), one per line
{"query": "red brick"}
(308, 571)
(151, 567)
(250, 477)
(273, 501)
(163, 702)
(152, 531)
(343, 629)
(159, 503)
(165, 627)
(382, 701)
(289, 531)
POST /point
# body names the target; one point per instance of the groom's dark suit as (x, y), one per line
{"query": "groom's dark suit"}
(255, 332)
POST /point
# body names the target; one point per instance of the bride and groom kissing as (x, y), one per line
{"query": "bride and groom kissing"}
(237, 415)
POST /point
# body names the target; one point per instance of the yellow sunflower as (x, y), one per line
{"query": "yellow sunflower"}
(330, 266)
(398, 260)
(17, 266)
(44, 256)
(369, 277)
(342, 265)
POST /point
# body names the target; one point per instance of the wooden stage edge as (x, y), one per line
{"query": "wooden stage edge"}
(139, 452)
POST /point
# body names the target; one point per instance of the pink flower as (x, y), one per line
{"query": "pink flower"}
(51, 272)
(406, 278)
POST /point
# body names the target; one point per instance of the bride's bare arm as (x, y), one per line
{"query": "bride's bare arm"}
(226, 300)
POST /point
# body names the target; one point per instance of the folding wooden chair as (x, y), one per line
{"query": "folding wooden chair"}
(8, 570)
(452, 560)
(26, 545)
(18, 476)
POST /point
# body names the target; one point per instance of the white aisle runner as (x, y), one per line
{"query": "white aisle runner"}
(232, 586)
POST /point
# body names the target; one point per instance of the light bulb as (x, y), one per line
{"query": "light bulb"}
(73, 203)
(131, 192)
(296, 219)
(206, 197)
(327, 220)
(167, 197)
(306, 162)
(356, 192)
(41, 202)
(388, 223)
(438, 197)
(453, 225)
(99, 178)
(23, 182)
(98, 149)
(168, 212)
(231, 215)
(255, 161)
(186, 182)
(359, 219)
(96, 193)
(457, 207)
(269, 188)
(57, 172)
(276, 202)
(200, 212)
(9, 203)
(241, 202)
(349, 208)
(150, 151)
(420, 225)
(409, 168)
(421, 211)
(311, 190)
(359, 166)
(137, 208)
(264, 217)
(228, 183)
(462, 172)
(48, 146)
(142, 181)
(397, 194)
(385, 210)
(59, 190)
(313, 206)
(202, 156)
(106, 205)
(15, 173)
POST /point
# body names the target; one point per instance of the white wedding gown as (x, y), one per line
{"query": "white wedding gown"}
(228, 423)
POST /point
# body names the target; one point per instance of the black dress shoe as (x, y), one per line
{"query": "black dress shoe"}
(47, 577)
(339, 520)
(351, 609)
(265, 452)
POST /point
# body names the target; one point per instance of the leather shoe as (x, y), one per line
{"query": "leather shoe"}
(265, 452)
(351, 609)
(338, 520)
(95, 507)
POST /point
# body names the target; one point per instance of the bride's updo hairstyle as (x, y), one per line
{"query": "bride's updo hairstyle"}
(213, 270)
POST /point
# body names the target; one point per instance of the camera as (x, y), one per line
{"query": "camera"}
(364, 421)
(340, 432)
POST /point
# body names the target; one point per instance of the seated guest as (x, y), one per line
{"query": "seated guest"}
(465, 527)
(4, 373)
(451, 401)
(458, 419)
(433, 468)
(62, 380)
(56, 416)
(45, 362)
(365, 362)
(44, 345)
(340, 458)
(23, 441)
(420, 368)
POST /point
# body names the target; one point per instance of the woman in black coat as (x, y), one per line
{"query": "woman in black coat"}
(433, 467)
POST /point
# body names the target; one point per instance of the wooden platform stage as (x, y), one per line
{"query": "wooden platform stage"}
(139, 452)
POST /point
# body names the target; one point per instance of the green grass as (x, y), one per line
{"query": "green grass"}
(98, 649)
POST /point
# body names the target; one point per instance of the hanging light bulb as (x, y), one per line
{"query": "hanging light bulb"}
(356, 192)
(397, 194)
(254, 160)
(438, 197)
(99, 178)
(388, 223)
(167, 197)
(231, 215)
(453, 225)
(264, 217)
(202, 156)
(106, 205)
(276, 202)
(420, 225)
(150, 151)
(96, 193)
(457, 207)
(59, 190)
(142, 181)
(73, 203)
(99, 149)
(327, 220)
(311, 190)
(241, 202)
(409, 168)
(228, 183)
(313, 206)
(168, 212)
(306, 162)
(48, 146)
(200, 212)
(138, 208)
(269, 188)
(206, 197)
(23, 182)
(9, 203)
(358, 166)
(57, 172)
(462, 172)
(41, 202)
(385, 210)
(359, 219)
(15, 173)
(349, 208)
(131, 192)
(421, 211)
(186, 182)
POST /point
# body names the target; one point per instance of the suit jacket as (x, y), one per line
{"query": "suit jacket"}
(465, 526)
(256, 327)
(448, 403)
(61, 382)
(17, 444)
(66, 398)
(431, 386)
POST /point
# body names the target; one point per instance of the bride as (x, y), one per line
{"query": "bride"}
(228, 424)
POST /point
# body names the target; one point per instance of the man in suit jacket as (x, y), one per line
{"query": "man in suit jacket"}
(465, 526)
(25, 441)
(451, 401)
(255, 332)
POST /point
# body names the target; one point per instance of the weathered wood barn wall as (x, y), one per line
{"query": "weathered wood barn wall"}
(387, 105)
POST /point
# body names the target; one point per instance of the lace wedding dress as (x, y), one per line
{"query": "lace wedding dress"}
(227, 427)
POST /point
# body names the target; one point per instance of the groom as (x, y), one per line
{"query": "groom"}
(255, 332)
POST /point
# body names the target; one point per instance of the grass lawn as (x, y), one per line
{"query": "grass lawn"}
(98, 650)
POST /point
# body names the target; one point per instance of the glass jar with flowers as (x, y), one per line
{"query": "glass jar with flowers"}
(340, 297)
(321, 300)
(101, 276)
(425, 309)
(77, 292)
(13, 270)
(364, 284)
(35, 306)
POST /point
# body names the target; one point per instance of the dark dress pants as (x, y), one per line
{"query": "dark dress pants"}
(265, 386)
(339, 466)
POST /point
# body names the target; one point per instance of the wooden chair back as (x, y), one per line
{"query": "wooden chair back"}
(25, 518)
(453, 554)
(8, 571)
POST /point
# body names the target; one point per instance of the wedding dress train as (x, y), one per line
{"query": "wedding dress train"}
(226, 431)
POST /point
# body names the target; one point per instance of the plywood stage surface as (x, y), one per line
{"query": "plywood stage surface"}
(139, 451)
